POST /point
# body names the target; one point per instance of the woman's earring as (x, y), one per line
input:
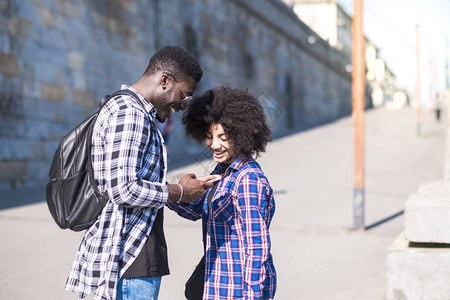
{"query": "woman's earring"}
(164, 87)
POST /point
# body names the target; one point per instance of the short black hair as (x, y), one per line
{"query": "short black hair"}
(176, 61)
(240, 114)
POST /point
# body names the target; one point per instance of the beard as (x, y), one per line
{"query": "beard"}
(160, 119)
(162, 107)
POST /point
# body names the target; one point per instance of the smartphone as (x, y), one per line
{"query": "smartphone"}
(214, 179)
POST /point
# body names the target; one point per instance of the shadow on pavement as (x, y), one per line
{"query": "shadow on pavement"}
(21, 197)
(384, 220)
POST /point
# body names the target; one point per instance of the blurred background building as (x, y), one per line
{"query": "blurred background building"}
(58, 58)
(329, 20)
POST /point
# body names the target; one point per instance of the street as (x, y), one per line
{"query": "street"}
(316, 253)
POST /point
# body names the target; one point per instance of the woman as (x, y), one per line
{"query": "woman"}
(237, 211)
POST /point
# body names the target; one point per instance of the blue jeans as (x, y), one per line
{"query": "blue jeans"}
(138, 288)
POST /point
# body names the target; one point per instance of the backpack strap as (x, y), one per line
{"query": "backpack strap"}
(103, 197)
(119, 92)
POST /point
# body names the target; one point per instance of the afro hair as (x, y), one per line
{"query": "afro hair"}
(240, 114)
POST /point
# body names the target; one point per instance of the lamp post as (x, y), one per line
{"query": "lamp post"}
(358, 105)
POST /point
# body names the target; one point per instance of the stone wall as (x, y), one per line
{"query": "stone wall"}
(59, 57)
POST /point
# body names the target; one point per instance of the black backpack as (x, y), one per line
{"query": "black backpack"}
(72, 195)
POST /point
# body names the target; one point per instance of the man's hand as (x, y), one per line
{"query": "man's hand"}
(191, 189)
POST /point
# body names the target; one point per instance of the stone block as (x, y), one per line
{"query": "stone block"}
(17, 150)
(26, 10)
(28, 130)
(61, 23)
(5, 44)
(53, 111)
(46, 17)
(37, 171)
(417, 273)
(60, 76)
(31, 50)
(84, 98)
(11, 128)
(76, 60)
(4, 5)
(57, 56)
(70, 10)
(36, 2)
(31, 89)
(51, 147)
(27, 69)
(54, 38)
(36, 130)
(19, 27)
(427, 214)
(52, 92)
(12, 85)
(79, 80)
(8, 64)
(10, 105)
(116, 26)
(83, 33)
(13, 170)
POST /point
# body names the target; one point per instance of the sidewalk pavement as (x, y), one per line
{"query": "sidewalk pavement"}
(316, 253)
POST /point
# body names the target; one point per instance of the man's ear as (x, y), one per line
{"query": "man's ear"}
(164, 79)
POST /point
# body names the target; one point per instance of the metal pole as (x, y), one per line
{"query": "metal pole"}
(418, 102)
(358, 103)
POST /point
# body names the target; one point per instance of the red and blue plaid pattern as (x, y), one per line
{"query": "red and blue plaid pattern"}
(236, 233)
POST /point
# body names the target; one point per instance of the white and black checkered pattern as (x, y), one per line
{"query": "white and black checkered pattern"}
(130, 162)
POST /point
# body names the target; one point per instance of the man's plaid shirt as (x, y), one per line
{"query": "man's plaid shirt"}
(129, 162)
(236, 233)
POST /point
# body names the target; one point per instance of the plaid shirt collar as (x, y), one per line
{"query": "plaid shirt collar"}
(235, 166)
(148, 106)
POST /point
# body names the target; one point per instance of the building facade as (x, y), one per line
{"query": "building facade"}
(380, 79)
(58, 58)
(330, 21)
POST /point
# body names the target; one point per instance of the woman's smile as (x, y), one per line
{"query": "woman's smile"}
(218, 143)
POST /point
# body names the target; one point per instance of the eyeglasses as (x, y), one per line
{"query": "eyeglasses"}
(186, 98)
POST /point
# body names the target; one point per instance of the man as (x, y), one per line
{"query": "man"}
(123, 254)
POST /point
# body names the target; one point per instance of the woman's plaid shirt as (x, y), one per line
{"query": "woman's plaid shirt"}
(236, 233)
(129, 162)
